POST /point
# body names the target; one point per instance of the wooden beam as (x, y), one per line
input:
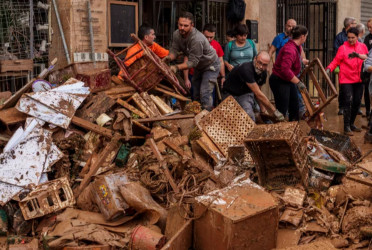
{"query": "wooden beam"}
(162, 106)
(119, 90)
(160, 158)
(12, 116)
(166, 118)
(92, 127)
(141, 126)
(101, 159)
(175, 95)
(131, 108)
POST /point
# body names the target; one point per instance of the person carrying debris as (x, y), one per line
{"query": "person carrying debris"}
(244, 83)
(147, 35)
(350, 58)
(201, 56)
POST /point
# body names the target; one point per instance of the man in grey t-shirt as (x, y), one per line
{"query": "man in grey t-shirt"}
(201, 56)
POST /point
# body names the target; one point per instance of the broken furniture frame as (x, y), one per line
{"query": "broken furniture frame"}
(146, 72)
(314, 111)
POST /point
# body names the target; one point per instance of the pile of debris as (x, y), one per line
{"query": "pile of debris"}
(121, 167)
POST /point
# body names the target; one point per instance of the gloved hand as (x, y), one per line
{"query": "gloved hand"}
(279, 116)
(328, 71)
(301, 85)
(166, 59)
(174, 68)
(353, 55)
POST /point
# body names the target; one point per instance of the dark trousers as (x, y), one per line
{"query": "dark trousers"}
(351, 98)
(367, 101)
(285, 96)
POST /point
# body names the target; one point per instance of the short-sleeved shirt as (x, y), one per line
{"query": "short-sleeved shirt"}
(240, 76)
(217, 47)
(279, 41)
(238, 55)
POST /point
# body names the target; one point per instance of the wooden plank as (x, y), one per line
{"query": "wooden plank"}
(94, 107)
(119, 90)
(131, 108)
(317, 86)
(101, 159)
(162, 106)
(16, 65)
(92, 127)
(141, 126)
(116, 80)
(12, 116)
(124, 95)
(208, 146)
(177, 96)
(142, 105)
(165, 118)
(176, 149)
(150, 103)
(160, 158)
(365, 180)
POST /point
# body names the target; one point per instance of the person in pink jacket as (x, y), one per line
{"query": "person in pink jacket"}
(350, 58)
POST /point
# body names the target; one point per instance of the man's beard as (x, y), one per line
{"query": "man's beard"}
(258, 71)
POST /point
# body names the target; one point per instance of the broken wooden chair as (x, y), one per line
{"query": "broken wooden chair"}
(146, 72)
(314, 117)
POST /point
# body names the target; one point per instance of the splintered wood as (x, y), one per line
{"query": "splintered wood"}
(228, 125)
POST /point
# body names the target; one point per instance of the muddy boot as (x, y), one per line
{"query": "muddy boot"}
(368, 137)
(355, 128)
(347, 131)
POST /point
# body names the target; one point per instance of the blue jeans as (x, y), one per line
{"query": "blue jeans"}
(202, 87)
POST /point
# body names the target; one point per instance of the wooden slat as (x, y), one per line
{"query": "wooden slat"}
(12, 116)
(166, 118)
(131, 108)
(92, 127)
(162, 106)
(175, 95)
(150, 104)
(142, 105)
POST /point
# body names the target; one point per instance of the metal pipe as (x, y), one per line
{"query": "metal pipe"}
(31, 30)
(91, 32)
(61, 31)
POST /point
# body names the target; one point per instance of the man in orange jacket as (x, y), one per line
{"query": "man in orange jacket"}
(147, 35)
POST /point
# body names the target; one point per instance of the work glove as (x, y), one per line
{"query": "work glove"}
(279, 116)
(301, 85)
(174, 68)
(166, 59)
(353, 55)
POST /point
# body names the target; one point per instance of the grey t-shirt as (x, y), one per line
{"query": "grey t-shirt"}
(196, 47)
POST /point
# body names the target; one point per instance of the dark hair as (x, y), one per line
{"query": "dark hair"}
(210, 27)
(230, 33)
(241, 30)
(353, 30)
(144, 30)
(187, 15)
(298, 31)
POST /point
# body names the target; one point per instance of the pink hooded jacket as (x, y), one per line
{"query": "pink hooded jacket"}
(350, 68)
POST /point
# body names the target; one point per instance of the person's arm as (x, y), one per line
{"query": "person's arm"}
(272, 50)
(222, 71)
(226, 57)
(304, 60)
(186, 75)
(262, 99)
(337, 60)
(368, 62)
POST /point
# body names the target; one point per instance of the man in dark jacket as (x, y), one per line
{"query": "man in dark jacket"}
(341, 37)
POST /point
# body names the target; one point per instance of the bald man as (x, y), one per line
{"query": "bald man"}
(244, 84)
(281, 39)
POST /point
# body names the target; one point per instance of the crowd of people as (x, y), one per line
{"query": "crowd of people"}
(241, 70)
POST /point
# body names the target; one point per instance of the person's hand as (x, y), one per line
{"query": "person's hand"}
(301, 85)
(305, 61)
(222, 81)
(328, 71)
(166, 59)
(174, 68)
(188, 83)
(353, 55)
(279, 116)
(230, 67)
